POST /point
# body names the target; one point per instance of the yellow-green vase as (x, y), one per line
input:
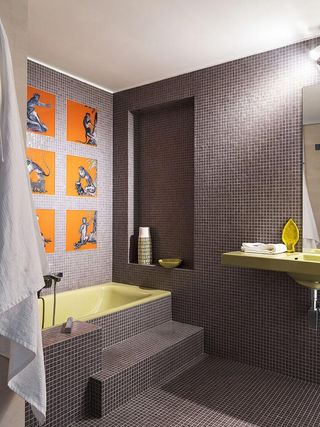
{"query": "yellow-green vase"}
(290, 235)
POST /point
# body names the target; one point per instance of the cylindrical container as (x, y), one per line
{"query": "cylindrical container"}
(144, 246)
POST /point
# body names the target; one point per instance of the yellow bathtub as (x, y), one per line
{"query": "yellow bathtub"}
(96, 301)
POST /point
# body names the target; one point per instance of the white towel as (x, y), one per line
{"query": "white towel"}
(22, 258)
(262, 248)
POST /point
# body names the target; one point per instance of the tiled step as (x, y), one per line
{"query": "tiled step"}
(131, 366)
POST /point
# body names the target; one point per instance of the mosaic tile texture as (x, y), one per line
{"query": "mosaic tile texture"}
(164, 179)
(131, 366)
(88, 267)
(126, 353)
(56, 335)
(69, 362)
(126, 323)
(247, 183)
(220, 392)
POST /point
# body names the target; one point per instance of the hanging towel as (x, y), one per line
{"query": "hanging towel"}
(22, 258)
(262, 248)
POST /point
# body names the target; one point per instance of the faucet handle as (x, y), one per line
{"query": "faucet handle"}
(52, 278)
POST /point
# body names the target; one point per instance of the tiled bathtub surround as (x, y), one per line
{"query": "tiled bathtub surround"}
(248, 182)
(88, 267)
(124, 324)
(69, 361)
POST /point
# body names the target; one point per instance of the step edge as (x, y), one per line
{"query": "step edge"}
(197, 329)
(153, 382)
(170, 347)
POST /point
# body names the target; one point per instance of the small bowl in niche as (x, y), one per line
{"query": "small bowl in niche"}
(170, 262)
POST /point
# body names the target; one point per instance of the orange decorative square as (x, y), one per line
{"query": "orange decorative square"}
(81, 123)
(81, 176)
(81, 230)
(46, 220)
(41, 168)
(41, 111)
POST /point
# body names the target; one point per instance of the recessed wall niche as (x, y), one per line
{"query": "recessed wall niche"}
(161, 179)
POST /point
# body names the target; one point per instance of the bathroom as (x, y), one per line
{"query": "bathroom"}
(199, 117)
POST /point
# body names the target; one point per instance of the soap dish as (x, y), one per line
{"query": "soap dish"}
(170, 262)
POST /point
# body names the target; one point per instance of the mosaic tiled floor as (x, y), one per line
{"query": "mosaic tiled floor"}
(219, 392)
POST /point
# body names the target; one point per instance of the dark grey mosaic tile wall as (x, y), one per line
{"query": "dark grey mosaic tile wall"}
(88, 267)
(163, 147)
(248, 181)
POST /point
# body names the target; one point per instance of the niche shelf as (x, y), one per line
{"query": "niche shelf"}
(165, 269)
(161, 179)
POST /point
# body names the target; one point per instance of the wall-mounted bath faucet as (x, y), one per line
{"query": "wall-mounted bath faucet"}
(314, 310)
(52, 279)
(49, 280)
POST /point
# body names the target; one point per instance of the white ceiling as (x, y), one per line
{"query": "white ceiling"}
(119, 44)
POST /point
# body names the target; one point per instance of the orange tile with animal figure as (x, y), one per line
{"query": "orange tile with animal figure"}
(46, 220)
(41, 168)
(81, 230)
(81, 123)
(81, 177)
(41, 111)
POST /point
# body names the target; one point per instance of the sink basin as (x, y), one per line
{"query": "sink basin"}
(311, 257)
(304, 268)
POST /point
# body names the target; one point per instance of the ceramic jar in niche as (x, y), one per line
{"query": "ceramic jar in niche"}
(144, 246)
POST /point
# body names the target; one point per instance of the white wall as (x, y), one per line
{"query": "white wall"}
(14, 16)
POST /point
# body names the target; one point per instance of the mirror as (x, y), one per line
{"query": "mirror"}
(311, 170)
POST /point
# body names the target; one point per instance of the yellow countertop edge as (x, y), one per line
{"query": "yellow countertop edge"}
(286, 262)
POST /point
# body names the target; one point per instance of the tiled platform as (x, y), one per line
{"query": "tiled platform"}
(70, 359)
(217, 393)
(133, 365)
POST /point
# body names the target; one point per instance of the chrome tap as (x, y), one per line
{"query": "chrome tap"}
(314, 310)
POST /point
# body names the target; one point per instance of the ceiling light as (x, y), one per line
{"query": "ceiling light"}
(315, 54)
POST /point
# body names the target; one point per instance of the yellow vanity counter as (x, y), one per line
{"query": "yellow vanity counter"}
(304, 268)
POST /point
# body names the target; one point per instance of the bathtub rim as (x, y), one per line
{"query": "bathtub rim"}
(155, 295)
